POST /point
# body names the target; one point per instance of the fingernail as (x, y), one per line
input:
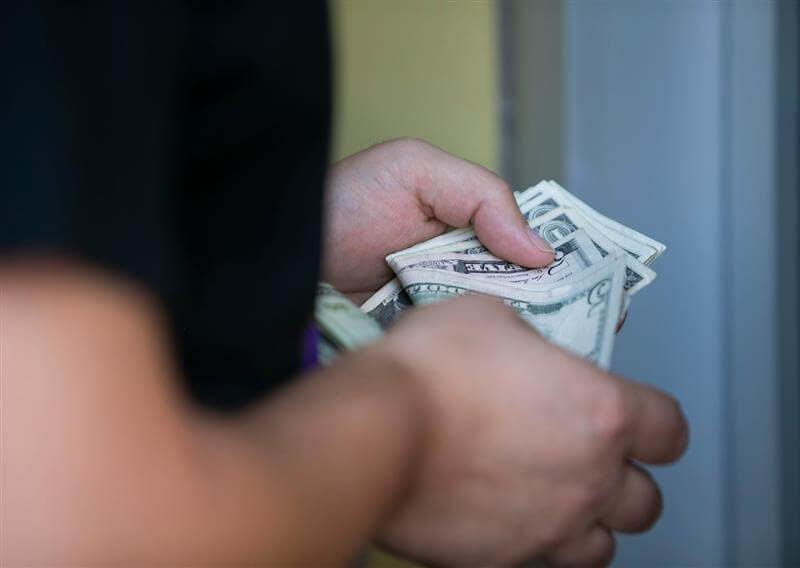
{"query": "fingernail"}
(539, 242)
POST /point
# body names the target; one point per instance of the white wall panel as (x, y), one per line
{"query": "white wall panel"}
(645, 145)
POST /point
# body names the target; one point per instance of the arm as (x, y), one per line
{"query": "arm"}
(103, 459)
(429, 440)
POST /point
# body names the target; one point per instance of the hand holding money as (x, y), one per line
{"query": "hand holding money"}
(404, 192)
(511, 417)
(527, 448)
(576, 301)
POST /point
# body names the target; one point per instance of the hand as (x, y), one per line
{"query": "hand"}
(402, 192)
(529, 449)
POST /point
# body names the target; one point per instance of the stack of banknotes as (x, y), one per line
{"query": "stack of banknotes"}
(575, 302)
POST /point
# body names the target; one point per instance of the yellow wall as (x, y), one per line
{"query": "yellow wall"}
(421, 68)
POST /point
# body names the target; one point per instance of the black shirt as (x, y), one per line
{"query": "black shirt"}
(183, 145)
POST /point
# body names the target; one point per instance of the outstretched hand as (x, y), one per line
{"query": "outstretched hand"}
(402, 192)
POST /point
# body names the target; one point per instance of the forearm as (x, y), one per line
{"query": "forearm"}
(341, 448)
(102, 458)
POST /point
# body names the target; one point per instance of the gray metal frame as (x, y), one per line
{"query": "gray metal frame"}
(789, 278)
(750, 184)
(532, 93)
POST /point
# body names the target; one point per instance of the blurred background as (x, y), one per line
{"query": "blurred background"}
(678, 118)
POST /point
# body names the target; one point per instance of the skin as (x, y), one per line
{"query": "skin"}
(462, 438)
(393, 195)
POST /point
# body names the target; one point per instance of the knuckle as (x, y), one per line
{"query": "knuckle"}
(499, 189)
(612, 422)
(408, 144)
(505, 190)
(464, 319)
(486, 308)
(597, 547)
(551, 536)
(591, 494)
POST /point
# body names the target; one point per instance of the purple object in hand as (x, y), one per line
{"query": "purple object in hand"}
(310, 347)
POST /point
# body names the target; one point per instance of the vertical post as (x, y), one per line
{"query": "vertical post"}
(532, 90)
(789, 275)
(752, 276)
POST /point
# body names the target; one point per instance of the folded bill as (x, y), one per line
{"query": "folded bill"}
(341, 324)
(579, 313)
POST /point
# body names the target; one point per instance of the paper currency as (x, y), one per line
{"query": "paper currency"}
(574, 302)
(341, 324)
(580, 314)
(575, 252)
(387, 304)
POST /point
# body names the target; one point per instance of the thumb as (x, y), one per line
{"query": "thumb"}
(461, 193)
(502, 228)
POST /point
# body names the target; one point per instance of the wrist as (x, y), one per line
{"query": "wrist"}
(403, 406)
(365, 423)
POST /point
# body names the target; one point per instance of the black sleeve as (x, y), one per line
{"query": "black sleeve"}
(183, 146)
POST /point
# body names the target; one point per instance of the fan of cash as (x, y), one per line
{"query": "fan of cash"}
(575, 302)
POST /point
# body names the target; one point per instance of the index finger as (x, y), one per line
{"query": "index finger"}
(659, 431)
